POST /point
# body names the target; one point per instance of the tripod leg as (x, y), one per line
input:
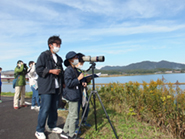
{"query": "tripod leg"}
(84, 114)
(106, 114)
(94, 97)
(90, 100)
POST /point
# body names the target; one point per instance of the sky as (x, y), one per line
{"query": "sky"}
(124, 31)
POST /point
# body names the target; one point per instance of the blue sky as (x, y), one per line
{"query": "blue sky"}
(124, 31)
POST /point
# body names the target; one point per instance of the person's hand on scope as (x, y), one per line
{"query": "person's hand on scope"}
(80, 76)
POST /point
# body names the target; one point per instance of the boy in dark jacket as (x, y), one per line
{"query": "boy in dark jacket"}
(73, 80)
(50, 85)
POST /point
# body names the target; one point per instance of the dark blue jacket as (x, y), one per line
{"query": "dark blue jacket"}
(71, 91)
(46, 80)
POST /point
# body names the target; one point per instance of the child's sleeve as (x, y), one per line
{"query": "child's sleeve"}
(69, 79)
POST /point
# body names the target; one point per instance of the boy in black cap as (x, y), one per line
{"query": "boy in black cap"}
(73, 80)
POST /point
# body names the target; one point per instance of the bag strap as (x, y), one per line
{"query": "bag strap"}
(51, 57)
(29, 70)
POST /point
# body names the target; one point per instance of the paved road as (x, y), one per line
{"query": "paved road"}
(21, 123)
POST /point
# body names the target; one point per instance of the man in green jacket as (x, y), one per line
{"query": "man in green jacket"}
(20, 73)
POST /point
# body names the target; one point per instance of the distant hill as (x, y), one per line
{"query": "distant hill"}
(147, 65)
(8, 72)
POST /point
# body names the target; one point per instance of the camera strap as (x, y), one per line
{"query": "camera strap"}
(51, 58)
(29, 70)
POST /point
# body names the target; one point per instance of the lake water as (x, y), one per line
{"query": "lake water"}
(140, 78)
(7, 87)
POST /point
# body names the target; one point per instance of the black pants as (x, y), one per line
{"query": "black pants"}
(61, 103)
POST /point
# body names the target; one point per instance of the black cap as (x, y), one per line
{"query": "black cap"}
(80, 55)
(69, 55)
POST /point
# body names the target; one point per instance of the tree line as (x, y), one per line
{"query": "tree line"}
(136, 71)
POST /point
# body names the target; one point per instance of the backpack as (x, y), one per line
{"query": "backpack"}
(14, 81)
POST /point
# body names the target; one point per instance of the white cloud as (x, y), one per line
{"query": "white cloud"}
(90, 34)
(68, 23)
(128, 8)
(25, 9)
(111, 26)
(99, 66)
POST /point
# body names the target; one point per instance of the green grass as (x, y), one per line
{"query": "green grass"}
(126, 126)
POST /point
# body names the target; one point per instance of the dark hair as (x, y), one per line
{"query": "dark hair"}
(54, 39)
(31, 62)
(80, 55)
(0, 68)
(19, 61)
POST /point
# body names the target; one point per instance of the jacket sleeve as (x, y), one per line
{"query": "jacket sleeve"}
(70, 81)
(19, 70)
(41, 67)
(32, 70)
(84, 79)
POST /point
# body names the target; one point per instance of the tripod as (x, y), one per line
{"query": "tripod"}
(94, 93)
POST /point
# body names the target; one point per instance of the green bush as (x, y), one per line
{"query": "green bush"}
(155, 103)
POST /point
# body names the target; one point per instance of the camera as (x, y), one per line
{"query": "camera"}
(57, 67)
(25, 65)
(93, 59)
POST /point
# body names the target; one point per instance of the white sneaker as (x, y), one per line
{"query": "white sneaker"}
(40, 135)
(32, 107)
(37, 108)
(64, 135)
(56, 130)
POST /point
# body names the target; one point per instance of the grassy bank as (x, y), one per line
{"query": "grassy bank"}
(150, 112)
(155, 103)
(127, 126)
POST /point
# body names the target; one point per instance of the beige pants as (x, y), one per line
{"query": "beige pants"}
(19, 90)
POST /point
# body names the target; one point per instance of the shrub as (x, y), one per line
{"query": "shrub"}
(154, 102)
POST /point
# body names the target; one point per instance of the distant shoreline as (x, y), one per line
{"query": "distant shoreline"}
(119, 75)
(113, 75)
